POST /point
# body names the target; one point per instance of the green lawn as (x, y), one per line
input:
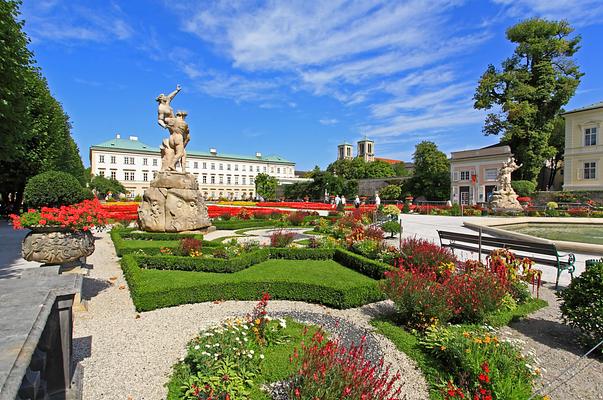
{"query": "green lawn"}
(316, 281)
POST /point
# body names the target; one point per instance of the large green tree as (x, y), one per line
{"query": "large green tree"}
(357, 168)
(102, 186)
(556, 142)
(265, 186)
(526, 94)
(432, 173)
(35, 131)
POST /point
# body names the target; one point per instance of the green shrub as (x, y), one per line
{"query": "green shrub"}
(391, 209)
(311, 282)
(391, 227)
(456, 209)
(390, 192)
(288, 253)
(582, 304)
(159, 235)
(237, 224)
(53, 189)
(185, 263)
(365, 266)
(551, 205)
(523, 188)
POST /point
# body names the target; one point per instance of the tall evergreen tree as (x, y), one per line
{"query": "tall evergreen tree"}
(529, 90)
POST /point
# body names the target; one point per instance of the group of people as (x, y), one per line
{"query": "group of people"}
(341, 200)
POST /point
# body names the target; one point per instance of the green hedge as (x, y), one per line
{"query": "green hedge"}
(152, 289)
(365, 266)
(159, 235)
(151, 243)
(236, 224)
(301, 253)
(203, 264)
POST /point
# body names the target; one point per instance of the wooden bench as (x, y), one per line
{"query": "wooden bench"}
(540, 253)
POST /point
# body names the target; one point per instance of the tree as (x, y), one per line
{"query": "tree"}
(35, 132)
(379, 169)
(265, 186)
(360, 169)
(432, 173)
(557, 142)
(390, 192)
(102, 186)
(530, 89)
(400, 169)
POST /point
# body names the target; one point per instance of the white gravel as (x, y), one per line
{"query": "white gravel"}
(127, 355)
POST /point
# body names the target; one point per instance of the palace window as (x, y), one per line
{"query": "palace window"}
(228, 180)
(278, 170)
(244, 180)
(196, 165)
(112, 159)
(491, 174)
(221, 167)
(213, 180)
(213, 166)
(236, 179)
(101, 159)
(154, 162)
(101, 172)
(590, 136)
(590, 170)
(227, 167)
(145, 161)
(204, 179)
(465, 175)
(113, 174)
(204, 165)
(236, 167)
(128, 175)
(145, 175)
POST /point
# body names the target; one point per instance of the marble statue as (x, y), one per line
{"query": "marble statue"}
(505, 197)
(173, 202)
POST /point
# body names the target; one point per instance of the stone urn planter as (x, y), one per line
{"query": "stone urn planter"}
(56, 245)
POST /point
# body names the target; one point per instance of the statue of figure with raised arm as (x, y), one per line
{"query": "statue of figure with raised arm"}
(179, 138)
(504, 175)
(164, 110)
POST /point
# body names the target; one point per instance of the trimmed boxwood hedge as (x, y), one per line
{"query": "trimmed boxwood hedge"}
(158, 235)
(236, 224)
(366, 266)
(153, 242)
(201, 264)
(152, 289)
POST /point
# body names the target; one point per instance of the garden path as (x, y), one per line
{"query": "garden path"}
(127, 355)
(544, 336)
(11, 262)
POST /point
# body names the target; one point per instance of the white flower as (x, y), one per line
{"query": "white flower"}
(282, 323)
(262, 356)
(207, 346)
(245, 339)
(196, 347)
(251, 351)
(250, 355)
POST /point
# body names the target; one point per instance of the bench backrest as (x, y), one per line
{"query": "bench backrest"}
(522, 246)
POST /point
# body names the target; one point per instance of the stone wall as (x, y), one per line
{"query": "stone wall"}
(368, 187)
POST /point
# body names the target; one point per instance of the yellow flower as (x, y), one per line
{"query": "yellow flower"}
(442, 348)
(466, 334)
(487, 339)
(467, 350)
(477, 340)
(257, 321)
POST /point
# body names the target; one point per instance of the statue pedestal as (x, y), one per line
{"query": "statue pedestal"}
(173, 203)
(505, 199)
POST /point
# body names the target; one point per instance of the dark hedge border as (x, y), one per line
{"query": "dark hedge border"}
(120, 236)
(148, 297)
(233, 225)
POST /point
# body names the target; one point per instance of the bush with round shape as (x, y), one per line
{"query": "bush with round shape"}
(391, 210)
(391, 227)
(582, 304)
(390, 192)
(53, 189)
(523, 188)
(551, 205)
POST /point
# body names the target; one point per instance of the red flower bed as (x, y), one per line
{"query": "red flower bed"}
(121, 212)
(297, 204)
(329, 371)
(84, 216)
(216, 211)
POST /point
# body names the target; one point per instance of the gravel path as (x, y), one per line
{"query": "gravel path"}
(127, 355)
(544, 336)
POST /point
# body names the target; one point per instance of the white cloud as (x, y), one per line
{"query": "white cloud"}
(578, 12)
(69, 24)
(395, 58)
(328, 121)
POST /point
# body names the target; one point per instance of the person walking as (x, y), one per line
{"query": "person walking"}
(337, 201)
(357, 202)
(343, 200)
(377, 200)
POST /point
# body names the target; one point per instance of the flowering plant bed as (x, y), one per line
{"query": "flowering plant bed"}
(81, 216)
(233, 359)
(121, 211)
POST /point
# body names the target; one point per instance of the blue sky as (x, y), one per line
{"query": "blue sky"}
(292, 78)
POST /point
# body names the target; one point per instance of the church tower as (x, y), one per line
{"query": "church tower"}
(366, 150)
(344, 151)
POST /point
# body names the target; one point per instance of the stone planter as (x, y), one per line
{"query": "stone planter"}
(55, 245)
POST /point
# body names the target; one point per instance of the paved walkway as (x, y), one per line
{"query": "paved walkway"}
(11, 262)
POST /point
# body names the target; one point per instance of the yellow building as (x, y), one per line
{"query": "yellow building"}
(583, 148)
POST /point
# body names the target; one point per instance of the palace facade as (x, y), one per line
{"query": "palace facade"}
(220, 175)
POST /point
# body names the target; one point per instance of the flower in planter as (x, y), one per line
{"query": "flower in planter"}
(81, 216)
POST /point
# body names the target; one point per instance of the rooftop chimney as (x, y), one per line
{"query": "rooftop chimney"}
(117, 136)
(258, 154)
(134, 138)
(213, 151)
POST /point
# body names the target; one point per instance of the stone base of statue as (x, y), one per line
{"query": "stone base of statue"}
(505, 199)
(173, 203)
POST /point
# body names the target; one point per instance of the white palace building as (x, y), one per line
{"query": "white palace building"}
(229, 176)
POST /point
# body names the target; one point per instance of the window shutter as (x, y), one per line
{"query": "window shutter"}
(581, 173)
(456, 176)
